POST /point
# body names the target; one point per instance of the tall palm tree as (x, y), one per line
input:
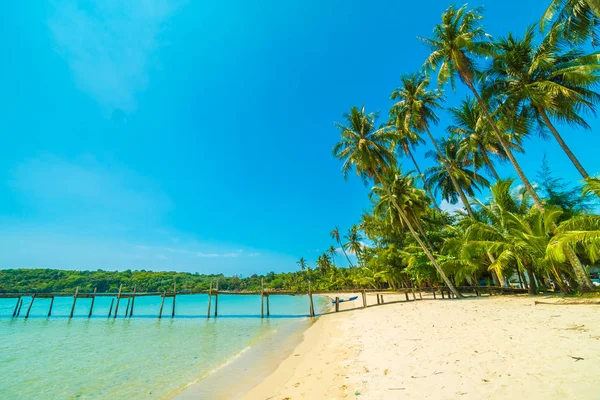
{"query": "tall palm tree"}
(412, 200)
(302, 263)
(549, 83)
(408, 140)
(458, 39)
(366, 149)
(454, 179)
(578, 19)
(332, 251)
(335, 235)
(415, 110)
(455, 43)
(476, 137)
(354, 242)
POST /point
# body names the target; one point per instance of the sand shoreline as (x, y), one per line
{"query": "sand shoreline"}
(488, 347)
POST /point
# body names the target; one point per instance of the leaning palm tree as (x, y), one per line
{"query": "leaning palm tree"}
(354, 242)
(415, 111)
(335, 235)
(365, 149)
(455, 179)
(456, 42)
(476, 137)
(578, 19)
(553, 85)
(408, 140)
(412, 200)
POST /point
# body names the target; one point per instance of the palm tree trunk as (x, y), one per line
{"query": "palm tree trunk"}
(488, 162)
(419, 225)
(499, 277)
(507, 150)
(532, 285)
(344, 251)
(425, 185)
(419, 241)
(562, 143)
(581, 275)
(463, 198)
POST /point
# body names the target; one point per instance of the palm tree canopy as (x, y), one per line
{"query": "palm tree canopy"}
(363, 146)
(578, 19)
(416, 104)
(544, 77)
(459, 37)
(412, 200)
(457, 164)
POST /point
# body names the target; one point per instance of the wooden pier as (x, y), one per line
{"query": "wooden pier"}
(439, 292)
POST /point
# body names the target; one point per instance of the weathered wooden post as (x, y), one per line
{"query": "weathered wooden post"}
(132, 301)
(311, 310)
(364, 298)
(50, 309)
(262, 298)
(420, 294)
(174, 295)
(433, 291)
(442, 292)
(30, 304)
(162, 303)
(406, 295)
(74, 301)
(92, 303)
(382, 302)
(17, 306)
(337, 304)
(118, 300)
(378, 301)
(112, 301)
(209, 299)
(19, 310)
(217, 299)
(412, 289)
(127, 307)
(268, 311)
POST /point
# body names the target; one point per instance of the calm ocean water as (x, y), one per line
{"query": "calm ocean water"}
(136, 358)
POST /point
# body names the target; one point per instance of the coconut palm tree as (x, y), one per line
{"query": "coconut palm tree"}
(324, 263)
(578, 19)
(407, 195)
(456, 42)
(302, 263)
(335, 235)
(365, 149)
(332, 251)
(551, 84)
(454, 179)
(415, 110)
(408, 140)
(354, 242)
(476, 138)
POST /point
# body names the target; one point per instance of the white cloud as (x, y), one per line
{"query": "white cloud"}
(451, 208)
(109, 45)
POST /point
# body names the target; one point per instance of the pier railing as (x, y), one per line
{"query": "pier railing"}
(437, 293)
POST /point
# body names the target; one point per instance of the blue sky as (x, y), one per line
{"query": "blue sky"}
(196, 136)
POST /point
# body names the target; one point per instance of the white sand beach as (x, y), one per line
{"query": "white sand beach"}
(487, 347)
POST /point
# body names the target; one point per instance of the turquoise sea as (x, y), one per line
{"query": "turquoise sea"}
(140, 357)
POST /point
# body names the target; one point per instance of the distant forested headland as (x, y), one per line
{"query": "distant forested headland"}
(54, 280)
